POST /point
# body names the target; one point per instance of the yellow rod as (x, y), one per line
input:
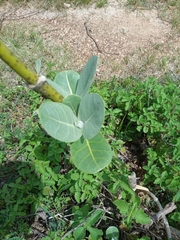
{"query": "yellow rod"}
(29, 76)
(19, 67)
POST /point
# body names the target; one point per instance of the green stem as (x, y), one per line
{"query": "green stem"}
(29, 76)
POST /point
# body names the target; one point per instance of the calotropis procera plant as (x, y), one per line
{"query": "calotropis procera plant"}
(73, 115)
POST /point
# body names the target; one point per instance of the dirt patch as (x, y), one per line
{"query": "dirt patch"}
(127, 42)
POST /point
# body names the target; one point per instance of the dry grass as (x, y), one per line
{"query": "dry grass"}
(58, 5)
(31, 44)
(17, 102)
(168, 10)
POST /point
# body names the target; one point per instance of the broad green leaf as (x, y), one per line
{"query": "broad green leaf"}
(176, 216)
(176, 198)
(40, 166)
(158, 180)
(90, 156)
(139, 128)
(145, 129)
(85, 209)
(95, 233)
(84, 196)
(123, 206)
(112, 233)
(58, 120)
(141, 217)
(91, 113)
(126, 187)
(73, 102)
(77, 196)
(75, 176)
(79, 233)
(95, 217)
(48, 191)
(67, 81)
(86, 77)
(78, 218)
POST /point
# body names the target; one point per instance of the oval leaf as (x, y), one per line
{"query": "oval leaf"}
(59, 121)
(91, 113)
(95, 233)
(95, 217)
(79, 233)
(73, 102)
(122, 205)
(67, 81)
(86, 77)
(112, 233)
(176, 198)
(90, 156)
(141, 217)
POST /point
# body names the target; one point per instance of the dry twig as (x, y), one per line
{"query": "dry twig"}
(88, 31)
(162, 211)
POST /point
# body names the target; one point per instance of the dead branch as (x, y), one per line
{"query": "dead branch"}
(88, 31)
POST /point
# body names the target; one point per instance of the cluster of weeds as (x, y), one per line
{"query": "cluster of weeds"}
(61, 4)
(147, 112)
(41, 177)
(17, 38)
(36, 171)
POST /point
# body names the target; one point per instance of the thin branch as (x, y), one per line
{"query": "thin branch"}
(162, 212)
(170, 207)
(89, 35)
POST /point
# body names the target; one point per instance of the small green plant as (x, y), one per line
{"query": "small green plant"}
(50, 73)
(74, 115)
(77, 203)
(78, 118)
(101, 3)
(89, 218)
(84, 187)
(147, 111)
(132, 212)
(19, 196)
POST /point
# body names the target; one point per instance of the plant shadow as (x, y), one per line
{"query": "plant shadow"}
(20, 193)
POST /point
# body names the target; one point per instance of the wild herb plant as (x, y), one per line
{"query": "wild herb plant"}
(133, 110)
(74, 116)
(78, 118)
(148, 111)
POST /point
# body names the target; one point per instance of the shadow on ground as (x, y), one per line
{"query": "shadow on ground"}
(20, 192)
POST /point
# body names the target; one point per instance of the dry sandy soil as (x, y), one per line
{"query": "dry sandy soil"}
(136, 43)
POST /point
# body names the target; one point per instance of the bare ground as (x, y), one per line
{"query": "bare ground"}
(136, 43)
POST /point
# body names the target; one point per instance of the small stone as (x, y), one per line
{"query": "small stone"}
(67, 5)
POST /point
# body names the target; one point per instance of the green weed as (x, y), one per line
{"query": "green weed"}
(101, 3)
(44, 177)
(36, 170)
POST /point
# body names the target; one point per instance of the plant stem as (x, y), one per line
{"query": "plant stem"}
(7, 56)
(36, 83)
